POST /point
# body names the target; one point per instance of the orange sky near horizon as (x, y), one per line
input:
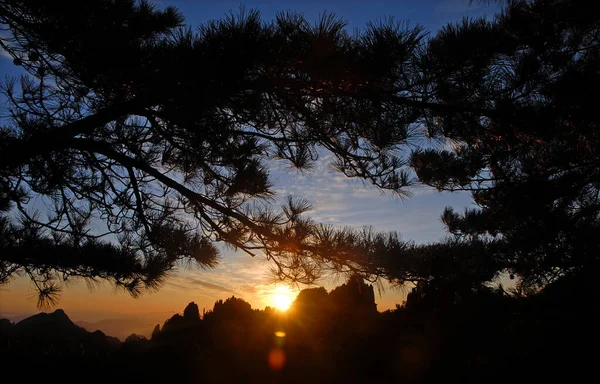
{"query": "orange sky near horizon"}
(18, 298)
(103, 301)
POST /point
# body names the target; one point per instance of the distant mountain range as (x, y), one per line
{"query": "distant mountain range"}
(50, 345)
(53, 333)
(123, 327)
(117, 326)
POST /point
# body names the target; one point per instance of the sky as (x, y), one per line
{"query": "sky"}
(336, 199)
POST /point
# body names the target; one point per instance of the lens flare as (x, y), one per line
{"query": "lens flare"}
(276, 359)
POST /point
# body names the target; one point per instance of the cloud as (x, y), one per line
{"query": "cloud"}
(238, 274)
(342, 201)
(172, 284)
(212, 286)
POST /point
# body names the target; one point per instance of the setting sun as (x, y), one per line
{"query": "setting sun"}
(282, 297)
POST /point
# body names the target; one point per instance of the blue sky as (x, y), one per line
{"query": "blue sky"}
(429, 13)
(336, 199)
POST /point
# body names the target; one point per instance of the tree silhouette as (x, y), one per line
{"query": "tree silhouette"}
(525, 136)
(155, 156)
(182, 126)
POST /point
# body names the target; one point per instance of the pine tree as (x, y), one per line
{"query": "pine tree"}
(165, 135)
(524, 129)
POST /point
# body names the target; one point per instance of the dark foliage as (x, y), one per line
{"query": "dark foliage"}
(165, 134)
(523, 91)
(169, 146)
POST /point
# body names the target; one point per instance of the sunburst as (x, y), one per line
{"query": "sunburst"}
(282, 297)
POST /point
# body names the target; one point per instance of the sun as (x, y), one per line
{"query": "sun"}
(281, 302)
(282, 297)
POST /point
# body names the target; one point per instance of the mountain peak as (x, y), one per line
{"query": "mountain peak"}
(60, 313)
(48, 321)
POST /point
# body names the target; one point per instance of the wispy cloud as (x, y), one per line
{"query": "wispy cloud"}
(173, 284)
(215, 287)
(341, 201)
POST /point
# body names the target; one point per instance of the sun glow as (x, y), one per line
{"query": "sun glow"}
(282, 297)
